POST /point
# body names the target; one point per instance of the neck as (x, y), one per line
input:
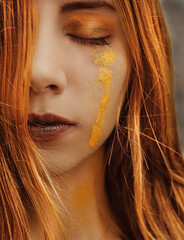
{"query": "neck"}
(83, 192)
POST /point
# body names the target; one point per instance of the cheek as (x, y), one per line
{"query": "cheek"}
(109, 79)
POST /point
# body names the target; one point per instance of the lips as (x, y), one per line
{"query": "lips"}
(47, 127)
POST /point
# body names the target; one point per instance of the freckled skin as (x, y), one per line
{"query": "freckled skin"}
(104, 77)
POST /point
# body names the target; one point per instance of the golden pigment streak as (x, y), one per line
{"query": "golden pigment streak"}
(104, 78)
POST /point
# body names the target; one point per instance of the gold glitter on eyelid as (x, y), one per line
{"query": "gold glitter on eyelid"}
(104, 77)
(88, 25)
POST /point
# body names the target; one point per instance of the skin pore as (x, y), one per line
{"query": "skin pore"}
(79, 72)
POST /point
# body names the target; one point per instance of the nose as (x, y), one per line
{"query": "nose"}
(47, 71)
(46, 78)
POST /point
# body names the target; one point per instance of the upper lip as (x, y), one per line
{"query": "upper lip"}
(47, 118)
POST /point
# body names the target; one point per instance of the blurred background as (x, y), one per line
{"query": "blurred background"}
(174, 15)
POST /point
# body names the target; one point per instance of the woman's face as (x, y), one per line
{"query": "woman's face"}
(78, 73)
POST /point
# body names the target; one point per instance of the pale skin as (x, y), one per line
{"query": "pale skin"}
(64, 81)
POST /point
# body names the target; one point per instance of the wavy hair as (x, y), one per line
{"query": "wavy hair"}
(145, 169)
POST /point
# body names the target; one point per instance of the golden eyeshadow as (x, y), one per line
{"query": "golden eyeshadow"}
(89, 25)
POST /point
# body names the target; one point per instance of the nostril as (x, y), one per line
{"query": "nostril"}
(43, 80)
(53, 87)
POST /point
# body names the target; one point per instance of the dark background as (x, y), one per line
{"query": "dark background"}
(174, 15)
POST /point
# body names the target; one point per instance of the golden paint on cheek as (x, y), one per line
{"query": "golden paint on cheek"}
(104, 77)
(82, 194)
(106, 58)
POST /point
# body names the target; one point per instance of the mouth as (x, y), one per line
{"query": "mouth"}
(47, 127)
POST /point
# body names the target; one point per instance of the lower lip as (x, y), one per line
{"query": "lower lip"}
(49, 133)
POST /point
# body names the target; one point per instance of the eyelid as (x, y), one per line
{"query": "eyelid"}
(89, 29)
(103, 37)
(88, 33)
(82, 17)
(89, 26)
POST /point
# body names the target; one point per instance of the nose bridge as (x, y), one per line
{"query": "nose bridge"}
(47, 72)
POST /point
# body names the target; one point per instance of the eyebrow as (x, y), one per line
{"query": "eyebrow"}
(71, 6)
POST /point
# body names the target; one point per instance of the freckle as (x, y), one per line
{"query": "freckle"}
(104, 78)
(82, 194)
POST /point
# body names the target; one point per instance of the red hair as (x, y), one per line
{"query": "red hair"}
(145, 168)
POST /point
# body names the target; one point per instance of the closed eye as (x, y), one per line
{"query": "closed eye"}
(90, 41)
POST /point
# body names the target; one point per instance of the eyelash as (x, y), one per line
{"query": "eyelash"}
(90, 41)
